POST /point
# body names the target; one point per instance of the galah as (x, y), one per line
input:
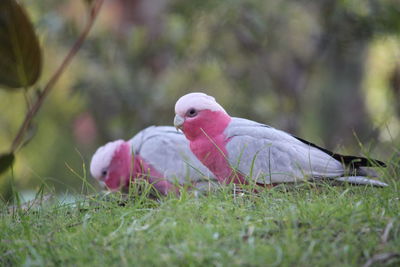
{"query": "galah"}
(237, 150)
(159, 154)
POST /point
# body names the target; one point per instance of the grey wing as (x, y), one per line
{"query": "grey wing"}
(269, 155)
(167, 150)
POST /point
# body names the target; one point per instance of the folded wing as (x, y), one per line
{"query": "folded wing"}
(269, 155)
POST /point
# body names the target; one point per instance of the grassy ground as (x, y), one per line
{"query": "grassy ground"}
(302, 226)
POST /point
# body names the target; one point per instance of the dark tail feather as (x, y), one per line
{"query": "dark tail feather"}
(357, 162)
(352, 161)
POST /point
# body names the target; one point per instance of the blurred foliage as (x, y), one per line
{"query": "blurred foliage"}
(324, 70)
(19, 50)
(6, 160)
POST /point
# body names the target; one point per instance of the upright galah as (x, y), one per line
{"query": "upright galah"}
(159, 154)
(237, 150)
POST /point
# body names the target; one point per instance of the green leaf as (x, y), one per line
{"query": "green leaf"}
(6, 161)
(20, 54)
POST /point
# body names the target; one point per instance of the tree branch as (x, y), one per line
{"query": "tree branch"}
(95, 9)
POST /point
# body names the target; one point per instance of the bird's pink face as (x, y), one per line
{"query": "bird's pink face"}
(201, 123)
(119, 171)
(198, 114)
(111, 165)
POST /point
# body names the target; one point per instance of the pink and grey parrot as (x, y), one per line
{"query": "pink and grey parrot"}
(236, 150)
(159, 154)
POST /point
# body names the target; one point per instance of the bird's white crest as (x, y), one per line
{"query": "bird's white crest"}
(199, 101)
(102, 158)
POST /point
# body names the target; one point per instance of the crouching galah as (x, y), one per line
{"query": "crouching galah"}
(237, 150)
(159, 154)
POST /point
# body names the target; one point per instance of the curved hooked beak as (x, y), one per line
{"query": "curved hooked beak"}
(178, 122)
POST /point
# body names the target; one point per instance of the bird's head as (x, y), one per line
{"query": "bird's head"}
(111, 164)
(197, 113)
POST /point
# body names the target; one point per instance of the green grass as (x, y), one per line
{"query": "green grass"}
(302, 226)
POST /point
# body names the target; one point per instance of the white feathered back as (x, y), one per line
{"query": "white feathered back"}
(166, 149)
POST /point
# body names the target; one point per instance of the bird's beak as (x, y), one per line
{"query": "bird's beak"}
(103, 185)
(178, 122)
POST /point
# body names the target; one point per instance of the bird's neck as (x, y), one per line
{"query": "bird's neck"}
(143, 170)
(120, 167)
(208, 142)
(127, 167)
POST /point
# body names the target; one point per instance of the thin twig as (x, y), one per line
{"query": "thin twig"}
(50, 84)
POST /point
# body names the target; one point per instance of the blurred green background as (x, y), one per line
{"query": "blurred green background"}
(327, 71)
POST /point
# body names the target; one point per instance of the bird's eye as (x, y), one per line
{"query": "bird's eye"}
(191, 112)
(104, 173)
